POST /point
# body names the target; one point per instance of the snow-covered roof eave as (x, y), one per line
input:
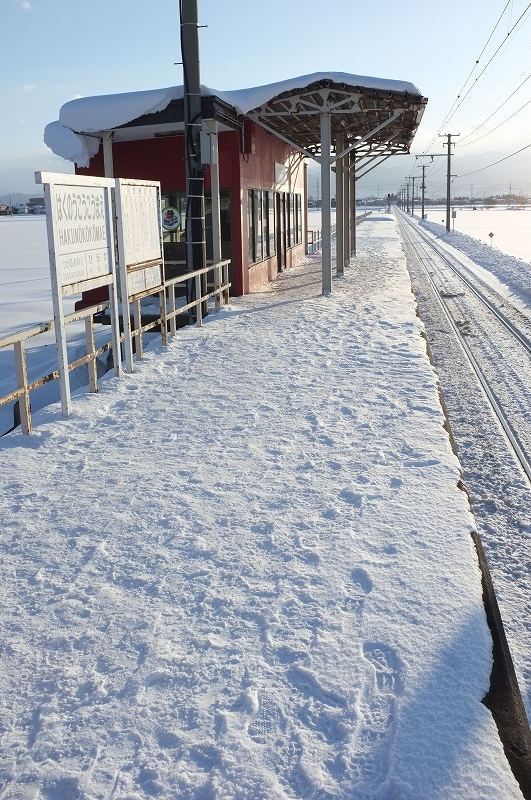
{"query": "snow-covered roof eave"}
(246, 100)
(92, 115)
(72, 146)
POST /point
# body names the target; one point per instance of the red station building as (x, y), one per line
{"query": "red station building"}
(263, 137)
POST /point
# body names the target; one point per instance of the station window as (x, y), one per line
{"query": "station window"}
(251, 226)
(291, 220)
(271, 223)
(259, 235)
(174, 235)
(262, 222)
(257, 225)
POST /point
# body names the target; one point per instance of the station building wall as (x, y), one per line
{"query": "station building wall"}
(255, 173)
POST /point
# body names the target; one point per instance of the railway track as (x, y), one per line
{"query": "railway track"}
(494, 336)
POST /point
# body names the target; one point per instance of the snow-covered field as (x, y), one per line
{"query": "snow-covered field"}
(246, 570)
(511, 228)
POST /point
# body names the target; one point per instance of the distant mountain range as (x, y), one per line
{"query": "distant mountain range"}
(15, 198)
(495, 180)
(514, 172)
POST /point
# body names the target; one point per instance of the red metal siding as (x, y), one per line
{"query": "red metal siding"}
(162, 159)
(258, 172)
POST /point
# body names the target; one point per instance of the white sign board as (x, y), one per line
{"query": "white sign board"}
(139, 229)
(139, 280)
(79, 220)
(80, 233)
(140, 220)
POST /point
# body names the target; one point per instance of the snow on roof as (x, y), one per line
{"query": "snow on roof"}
(91, 114)
(72, 146)
(247, 99)
(105, 112)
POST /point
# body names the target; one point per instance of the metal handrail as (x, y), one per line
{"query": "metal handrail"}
(315, 238)
(166, 319)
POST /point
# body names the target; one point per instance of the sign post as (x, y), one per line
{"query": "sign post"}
(80, 227)
(139, 231)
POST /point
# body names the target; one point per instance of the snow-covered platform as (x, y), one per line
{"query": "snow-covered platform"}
(246, 570)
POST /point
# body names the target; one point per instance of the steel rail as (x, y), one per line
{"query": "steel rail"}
(524, 341)
(504, 422)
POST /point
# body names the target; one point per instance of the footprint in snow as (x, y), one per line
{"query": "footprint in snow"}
(269, 721)
(357, 591)
(378, 717)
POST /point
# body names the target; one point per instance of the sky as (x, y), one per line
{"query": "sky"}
(52, 51)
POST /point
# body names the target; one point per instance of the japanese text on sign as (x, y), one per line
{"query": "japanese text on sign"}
(80, 233)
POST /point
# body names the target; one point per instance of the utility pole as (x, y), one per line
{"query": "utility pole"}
(407, 196)
(423, 187)
(412, 179)
(448, 175)
(193, 123)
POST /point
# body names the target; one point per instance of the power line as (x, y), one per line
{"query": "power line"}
(476, 63)
(466, 174)
(491, 59)
(489, 90)
(494, 129)
(453, 109)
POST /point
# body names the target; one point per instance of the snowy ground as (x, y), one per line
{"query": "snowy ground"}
(511, 228)
(246, 571)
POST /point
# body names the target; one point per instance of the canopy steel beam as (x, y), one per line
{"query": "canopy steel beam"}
(359, 142)
(384, 158)
(291, 143)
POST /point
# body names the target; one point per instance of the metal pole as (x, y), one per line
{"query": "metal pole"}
(195, 170)
(108, 165)
(325, 204)
(423, 187)
(353, 204)
(448, 174)
(448, 179)
(346, 211)
(413, 196)
(340, 198)
(212, 126)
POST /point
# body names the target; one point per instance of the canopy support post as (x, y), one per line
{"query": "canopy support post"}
(346, 210)
(353, 204)
(108, 164)
(325, 204)
(340, 198)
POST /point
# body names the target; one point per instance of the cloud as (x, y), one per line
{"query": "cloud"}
(28, 87)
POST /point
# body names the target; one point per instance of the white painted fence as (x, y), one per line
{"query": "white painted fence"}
(89, 221)
(166, 321)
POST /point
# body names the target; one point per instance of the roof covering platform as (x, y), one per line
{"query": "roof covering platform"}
(364, 121)
(351, 121)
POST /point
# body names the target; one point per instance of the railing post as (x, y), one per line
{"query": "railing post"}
(22, 383)
(225, 281)
(137, 322)
(163, 317)
(198, 299)
(217, 285)
(91, 365)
